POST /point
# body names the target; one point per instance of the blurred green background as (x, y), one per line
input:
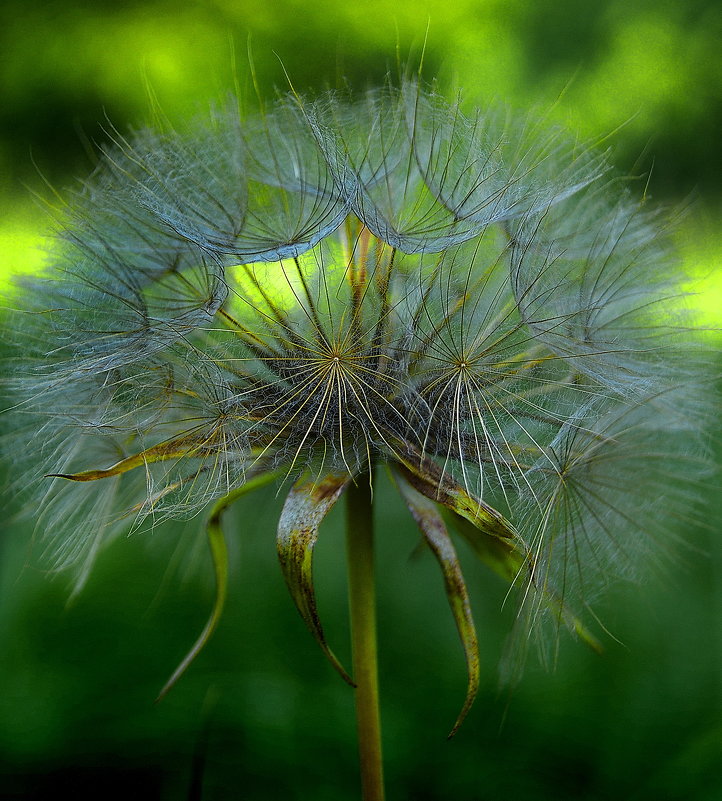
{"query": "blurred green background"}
(260, 715)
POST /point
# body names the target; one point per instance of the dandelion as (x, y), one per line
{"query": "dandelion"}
(333, 287)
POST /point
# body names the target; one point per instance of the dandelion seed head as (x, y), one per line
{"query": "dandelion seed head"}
(338, 283)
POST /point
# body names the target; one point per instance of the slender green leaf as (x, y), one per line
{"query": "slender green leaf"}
(428, 518)
(219, 554)
(188, 446)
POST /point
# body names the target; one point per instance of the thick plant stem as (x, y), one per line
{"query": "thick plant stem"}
(362, 603)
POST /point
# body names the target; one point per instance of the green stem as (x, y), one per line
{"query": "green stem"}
(362, 603)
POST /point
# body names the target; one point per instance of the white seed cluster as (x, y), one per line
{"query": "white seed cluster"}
(351, 281)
